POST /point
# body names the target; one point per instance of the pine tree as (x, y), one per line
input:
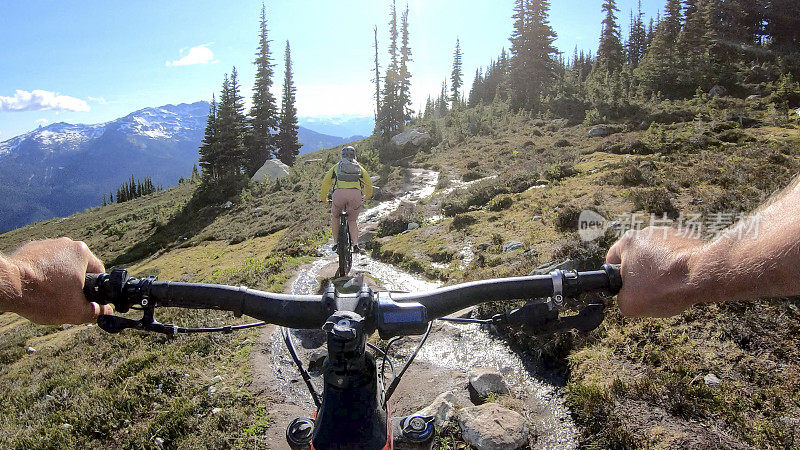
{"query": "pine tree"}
(231, 127)
(288, 145)
(441, 104)
(610, 53)
(782, 24)
(391, 115)
(637, 43)
(404, 111)
(263, 114)
(662, 66)
(456, 77)
(377, 80)
(429, 110)
(533, 61)
(195, 173)
(475, 94)
(209, 150)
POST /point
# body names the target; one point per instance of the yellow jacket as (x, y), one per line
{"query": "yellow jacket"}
(364, 183)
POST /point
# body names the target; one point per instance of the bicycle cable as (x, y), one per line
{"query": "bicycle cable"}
(303, 373)
(385, 357)
(390, 390)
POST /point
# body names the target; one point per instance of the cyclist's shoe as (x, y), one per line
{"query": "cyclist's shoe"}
(356, 249)
(335, 248)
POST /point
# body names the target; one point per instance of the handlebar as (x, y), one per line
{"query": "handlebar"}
(393, 314)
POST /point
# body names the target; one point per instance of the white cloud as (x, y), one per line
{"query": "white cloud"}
(41, 121)
(39, 100)
(99, 100)
(196, 55)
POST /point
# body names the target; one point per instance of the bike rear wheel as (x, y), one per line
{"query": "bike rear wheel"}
(343, 249)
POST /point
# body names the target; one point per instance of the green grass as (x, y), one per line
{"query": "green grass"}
(84, 388)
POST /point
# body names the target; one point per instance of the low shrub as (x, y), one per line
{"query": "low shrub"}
(471, 175)
(397, 222)
(561, 143)
(632, 176)
(656, 200)
(461, 221)
(479, 194)
(559, 171)
(500, 203)
(567, 219)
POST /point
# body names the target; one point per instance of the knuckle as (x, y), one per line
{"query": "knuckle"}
(81, 246)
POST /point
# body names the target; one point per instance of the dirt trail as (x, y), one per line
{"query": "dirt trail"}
(441, 365)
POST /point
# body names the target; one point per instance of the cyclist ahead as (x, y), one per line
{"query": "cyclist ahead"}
(350, 181)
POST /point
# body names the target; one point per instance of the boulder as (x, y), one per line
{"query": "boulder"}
(717, 91)
(600, 131)
(492, 427)
(711, 380)
(413, 137)
(753, 97)
(647, 165)
(510, 246)
(271, 170)
(312, 160)
(545, 269)
(442, 409)
(484, 381)
(412, 226)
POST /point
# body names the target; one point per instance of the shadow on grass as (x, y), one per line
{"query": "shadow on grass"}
(201, 211)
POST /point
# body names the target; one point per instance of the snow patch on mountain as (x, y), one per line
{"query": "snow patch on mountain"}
(168, 122)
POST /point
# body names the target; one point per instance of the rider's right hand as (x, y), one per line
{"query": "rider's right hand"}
(656, 268)
(52, 275)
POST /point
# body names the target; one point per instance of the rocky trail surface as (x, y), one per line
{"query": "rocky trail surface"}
(441, 368)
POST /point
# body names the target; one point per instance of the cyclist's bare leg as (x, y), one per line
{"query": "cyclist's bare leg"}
(349, 200)
(354, 208)
(336, 210)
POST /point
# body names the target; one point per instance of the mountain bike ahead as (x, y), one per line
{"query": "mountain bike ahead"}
(344, 247)
(353, 411)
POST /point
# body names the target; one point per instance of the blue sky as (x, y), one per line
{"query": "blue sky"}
(92, 60)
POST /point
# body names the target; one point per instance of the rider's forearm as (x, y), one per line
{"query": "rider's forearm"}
(10, 285)
(759, 257)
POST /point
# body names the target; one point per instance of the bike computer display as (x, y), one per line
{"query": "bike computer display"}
(399, 319)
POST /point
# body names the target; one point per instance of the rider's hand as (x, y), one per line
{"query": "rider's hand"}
(53, 274)
(656, 276)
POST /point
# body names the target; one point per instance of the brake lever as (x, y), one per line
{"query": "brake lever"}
(542, 318)
(116, 324)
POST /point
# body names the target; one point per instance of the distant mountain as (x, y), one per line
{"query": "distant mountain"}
(313, 141)
(341, 126)
(63, 168)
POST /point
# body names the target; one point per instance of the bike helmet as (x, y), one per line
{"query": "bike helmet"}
(349, 152)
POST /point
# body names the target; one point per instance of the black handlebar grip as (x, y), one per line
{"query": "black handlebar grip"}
(614, 278)
(91, 288)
